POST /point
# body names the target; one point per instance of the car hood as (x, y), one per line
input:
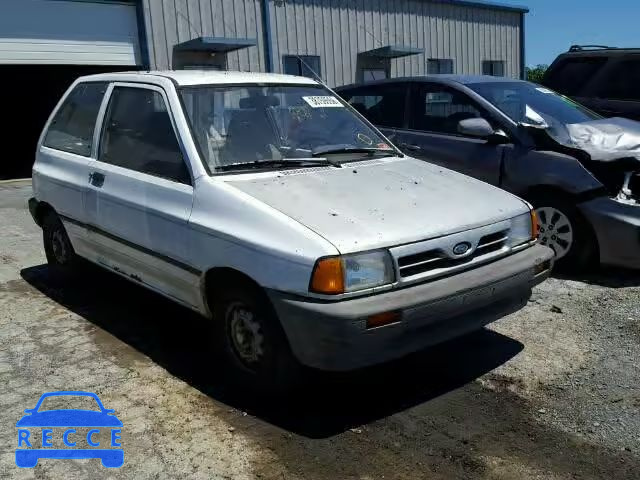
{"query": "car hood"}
(69, 418)
(382, 202)
(605, 140)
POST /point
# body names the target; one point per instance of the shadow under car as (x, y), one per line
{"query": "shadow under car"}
(329, 403)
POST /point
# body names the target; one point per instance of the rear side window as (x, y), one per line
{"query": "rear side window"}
(622, 82)
(572, 74)
(382, 105)
(138, 135)
(71, 130)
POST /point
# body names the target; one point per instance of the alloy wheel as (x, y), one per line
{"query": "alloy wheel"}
(556, 230)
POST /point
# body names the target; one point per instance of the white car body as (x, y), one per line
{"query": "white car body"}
(171, 236)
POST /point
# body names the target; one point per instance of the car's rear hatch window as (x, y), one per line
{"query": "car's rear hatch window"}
(569, 76)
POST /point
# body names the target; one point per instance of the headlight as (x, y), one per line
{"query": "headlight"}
(524, 228)
(349, 273)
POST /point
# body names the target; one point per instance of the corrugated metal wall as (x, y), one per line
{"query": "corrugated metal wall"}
(169, 22)
(337, 30)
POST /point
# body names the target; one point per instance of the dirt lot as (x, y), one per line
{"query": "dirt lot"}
(551, 392)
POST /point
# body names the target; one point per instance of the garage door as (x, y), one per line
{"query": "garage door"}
(68, 32)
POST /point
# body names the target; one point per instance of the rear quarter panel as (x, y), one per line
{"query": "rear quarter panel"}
(60, 179)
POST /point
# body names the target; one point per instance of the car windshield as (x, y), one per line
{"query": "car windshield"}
(532, 104)
(268, 126)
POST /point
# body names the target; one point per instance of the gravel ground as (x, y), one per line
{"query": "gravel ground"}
(551, 392)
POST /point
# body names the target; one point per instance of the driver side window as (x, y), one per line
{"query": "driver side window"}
(439, 109)
(138, 135)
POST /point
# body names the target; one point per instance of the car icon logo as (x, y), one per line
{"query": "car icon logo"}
(74, 422)
(461, 248)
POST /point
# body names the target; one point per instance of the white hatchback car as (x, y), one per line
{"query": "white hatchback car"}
(268, 204)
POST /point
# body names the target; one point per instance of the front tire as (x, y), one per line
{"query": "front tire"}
(566, 232)
(254, 344)
(60, 254)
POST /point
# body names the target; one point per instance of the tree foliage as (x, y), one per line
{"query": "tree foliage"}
(535, 74)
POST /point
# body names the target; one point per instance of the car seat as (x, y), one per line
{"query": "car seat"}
(251, 132)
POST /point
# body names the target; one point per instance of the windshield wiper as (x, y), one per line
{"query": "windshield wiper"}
(337, 149)
(285, 162)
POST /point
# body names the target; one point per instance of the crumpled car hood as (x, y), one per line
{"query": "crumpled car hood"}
(383, 202)
(605, 140)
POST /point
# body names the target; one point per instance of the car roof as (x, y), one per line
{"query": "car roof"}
(201, 77)
(441, 78)
(599, 52)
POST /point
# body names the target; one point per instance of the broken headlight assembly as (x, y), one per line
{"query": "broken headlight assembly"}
(630, 184)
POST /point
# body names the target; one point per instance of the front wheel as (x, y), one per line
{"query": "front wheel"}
(556, 230)
(566, 232)
(254, 344)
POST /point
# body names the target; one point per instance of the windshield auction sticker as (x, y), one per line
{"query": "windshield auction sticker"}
(323, 102)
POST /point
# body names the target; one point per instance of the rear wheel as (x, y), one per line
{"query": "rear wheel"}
(254, 344)
(58, 249)
(565, 231)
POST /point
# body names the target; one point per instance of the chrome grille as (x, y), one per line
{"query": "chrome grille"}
(491, 243)
(440, 258)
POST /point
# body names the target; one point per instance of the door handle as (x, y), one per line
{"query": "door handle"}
(96, 179)
(408, 146)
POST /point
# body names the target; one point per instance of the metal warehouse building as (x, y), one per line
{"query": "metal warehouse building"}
(45, 44)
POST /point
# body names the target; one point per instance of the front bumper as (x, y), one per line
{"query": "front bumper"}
(333, 335)
(617, 228)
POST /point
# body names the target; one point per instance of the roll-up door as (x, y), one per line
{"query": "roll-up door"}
(62, 32)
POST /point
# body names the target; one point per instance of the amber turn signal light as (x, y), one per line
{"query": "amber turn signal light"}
(328, 277)
(535, 226)
(382, 319)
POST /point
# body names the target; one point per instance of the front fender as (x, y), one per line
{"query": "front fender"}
(526, 169)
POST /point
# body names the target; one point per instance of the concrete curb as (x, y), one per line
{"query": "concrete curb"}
(15, 180)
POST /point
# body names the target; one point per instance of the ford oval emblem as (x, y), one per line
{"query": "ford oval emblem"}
(461, 248)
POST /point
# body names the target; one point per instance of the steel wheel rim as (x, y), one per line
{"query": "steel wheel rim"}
(556, 230)
(59, 246)
(246, 334)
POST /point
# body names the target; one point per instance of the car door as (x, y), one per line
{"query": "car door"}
(383, 104)
(140, 193)
(432, 134)
(60, 172)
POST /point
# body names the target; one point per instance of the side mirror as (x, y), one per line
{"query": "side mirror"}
(480, 128)
(475, 127)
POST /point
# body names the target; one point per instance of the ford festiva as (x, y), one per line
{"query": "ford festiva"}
(264, 202)
(581, 172)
